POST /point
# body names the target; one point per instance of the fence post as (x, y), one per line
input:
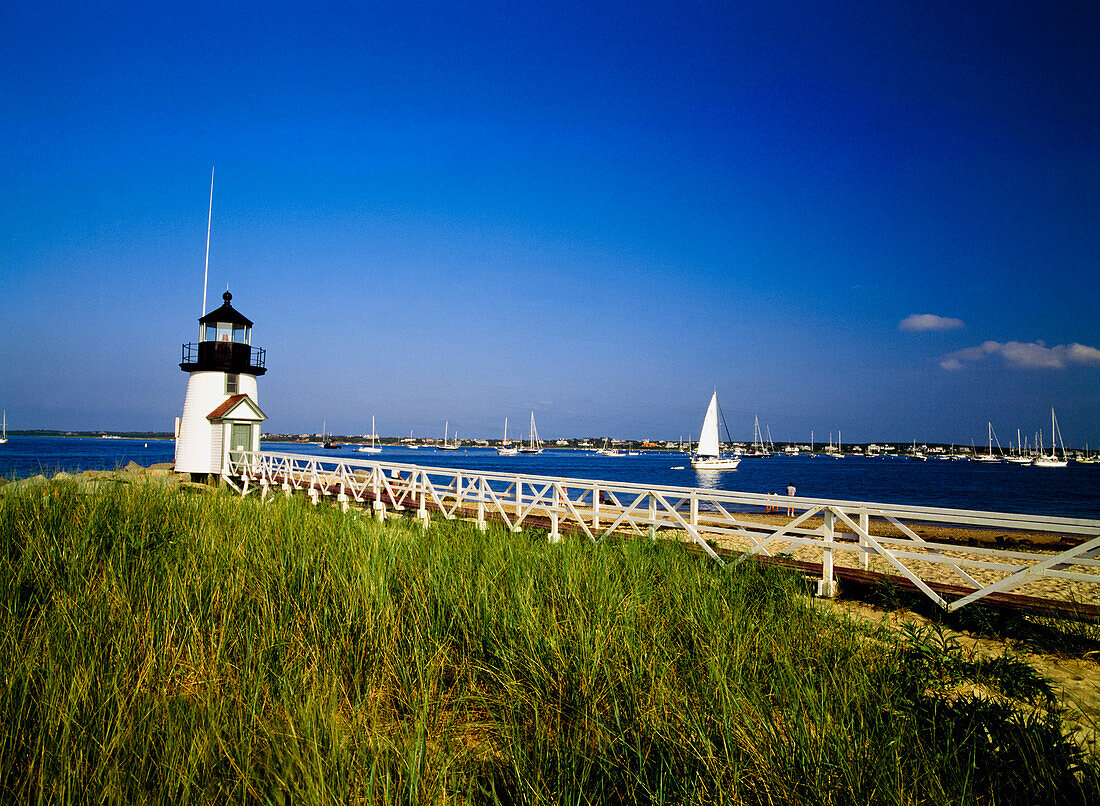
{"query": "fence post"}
(652, 516)
(555, 537)
(826, 586)
(596, 496)
(694, 515)
(481, 495)
(519, 505)
(865, 525)
(422, 513)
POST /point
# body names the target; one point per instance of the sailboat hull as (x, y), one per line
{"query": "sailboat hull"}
(714, 463)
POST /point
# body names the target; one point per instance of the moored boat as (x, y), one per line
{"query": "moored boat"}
(534, 444)
(448, 446)
(607, 450)
(373, 447)
(506, 448)
(989, 457)
(1052, 459)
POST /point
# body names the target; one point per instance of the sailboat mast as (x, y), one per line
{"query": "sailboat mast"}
(1055, 432)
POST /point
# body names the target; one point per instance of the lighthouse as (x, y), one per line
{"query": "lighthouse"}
(221, 412)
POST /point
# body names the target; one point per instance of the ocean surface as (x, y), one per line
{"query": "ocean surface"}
(1072, 491)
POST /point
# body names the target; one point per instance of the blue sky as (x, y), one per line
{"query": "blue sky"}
(598, 212)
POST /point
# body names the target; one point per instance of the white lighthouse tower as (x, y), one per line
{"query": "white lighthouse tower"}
(221, 411)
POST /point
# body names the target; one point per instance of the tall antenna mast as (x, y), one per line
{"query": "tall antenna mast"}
(206, 271)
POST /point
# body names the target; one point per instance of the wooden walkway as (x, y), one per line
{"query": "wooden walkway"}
(912, 547)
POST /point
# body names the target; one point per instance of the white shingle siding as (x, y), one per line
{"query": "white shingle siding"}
(200, 442)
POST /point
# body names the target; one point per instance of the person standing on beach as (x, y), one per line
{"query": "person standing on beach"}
(790, 491)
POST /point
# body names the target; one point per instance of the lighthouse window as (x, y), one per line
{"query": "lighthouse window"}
(232, 384)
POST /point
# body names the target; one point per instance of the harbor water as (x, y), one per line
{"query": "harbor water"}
(1073, 491)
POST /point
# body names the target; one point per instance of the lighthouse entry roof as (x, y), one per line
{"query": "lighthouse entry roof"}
(237, 407)
(226, 313)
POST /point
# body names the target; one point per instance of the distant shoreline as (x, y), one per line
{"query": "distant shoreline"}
(882, 448)
(145, 435)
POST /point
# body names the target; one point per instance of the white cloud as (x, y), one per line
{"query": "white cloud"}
(1024, 355)
(920, 322)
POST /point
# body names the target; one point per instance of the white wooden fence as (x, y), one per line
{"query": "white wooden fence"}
(862, 535)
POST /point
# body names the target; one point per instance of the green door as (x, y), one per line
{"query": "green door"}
(240, 438)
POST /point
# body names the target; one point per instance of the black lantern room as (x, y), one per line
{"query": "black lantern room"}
(225, 344)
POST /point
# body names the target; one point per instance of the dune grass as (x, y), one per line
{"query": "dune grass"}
(165, 647)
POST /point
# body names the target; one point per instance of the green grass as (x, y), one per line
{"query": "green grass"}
(162, 647)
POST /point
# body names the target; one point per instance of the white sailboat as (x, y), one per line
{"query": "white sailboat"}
(374, 447)
(448, 446)
(1052, 459)
(989, 457)
(506, 448)
(708, 456)
(4, 438)
(757, 440)
(1020, 457)
(607, 450)
(534, 444)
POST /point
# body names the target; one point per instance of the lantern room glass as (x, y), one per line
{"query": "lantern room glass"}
(227, 331)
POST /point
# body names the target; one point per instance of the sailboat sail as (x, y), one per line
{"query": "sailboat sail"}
(708, 437)
(709, 457)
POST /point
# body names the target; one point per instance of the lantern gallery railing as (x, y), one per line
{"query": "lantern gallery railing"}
(224, 356)
(935, 549)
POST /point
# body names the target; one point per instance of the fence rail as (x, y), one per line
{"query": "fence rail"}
(869, 536)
